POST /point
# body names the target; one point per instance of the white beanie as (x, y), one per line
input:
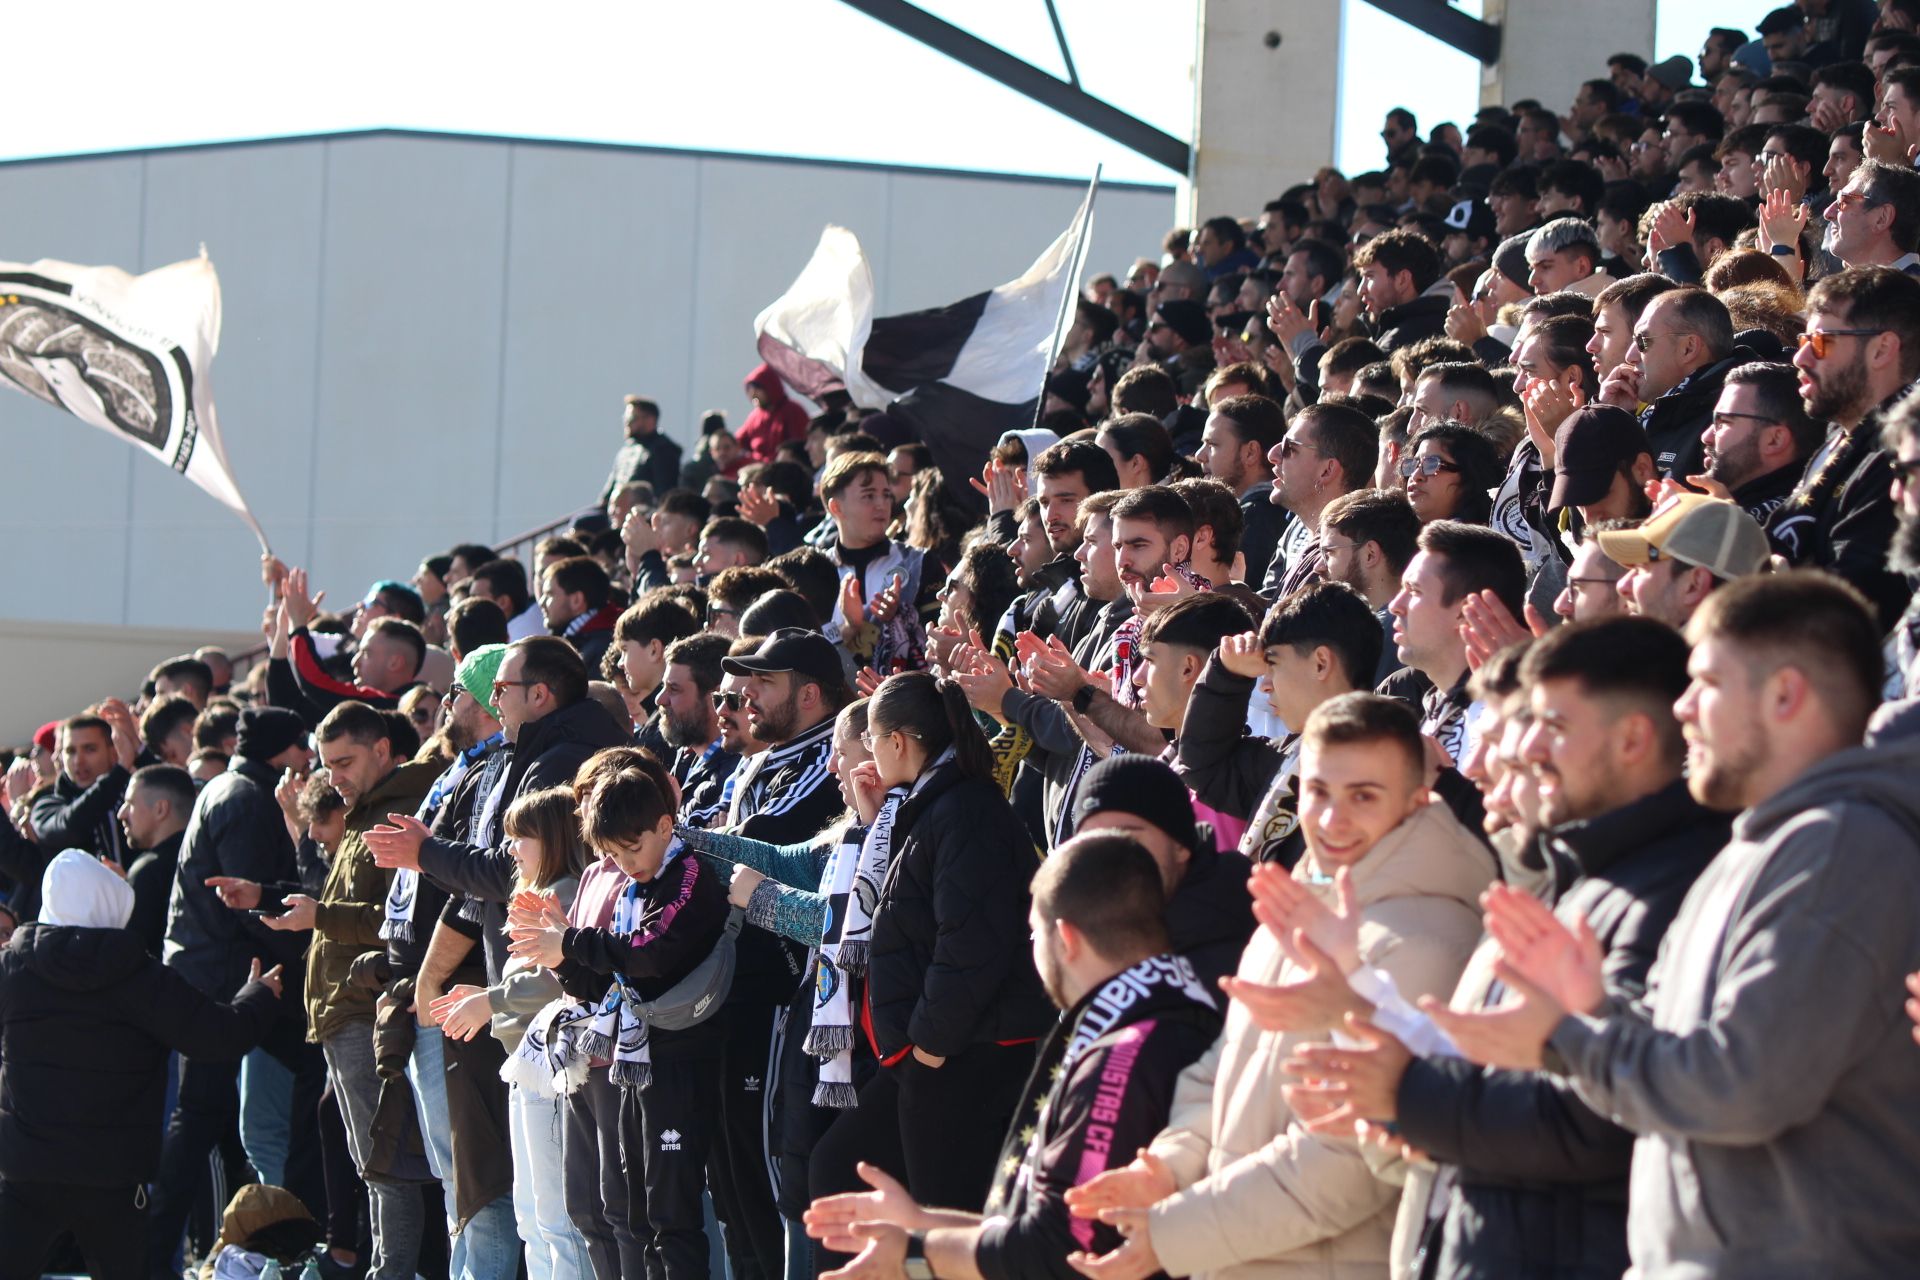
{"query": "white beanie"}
(79, 890)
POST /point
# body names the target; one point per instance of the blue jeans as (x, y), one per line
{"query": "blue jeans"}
(489, 1248)
(555, 1248)
(266, 1115)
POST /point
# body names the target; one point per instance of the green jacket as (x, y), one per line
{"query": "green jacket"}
(353, 904)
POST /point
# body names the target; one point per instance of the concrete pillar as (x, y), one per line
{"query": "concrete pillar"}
(1266, 91)
(1546, 50)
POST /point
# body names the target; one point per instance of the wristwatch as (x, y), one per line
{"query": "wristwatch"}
(916, 1266)
(1784, 251)
(1083, 698)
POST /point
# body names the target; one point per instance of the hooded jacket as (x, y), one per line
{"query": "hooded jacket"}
(950, 965)
(1542, 1184)
(70, 816)
(1261, 1198)
(769, 427)
(87, 1019)
(1675, 422)
(1770, 1072)
(1841, 517)
(353, 905)
(236, 829)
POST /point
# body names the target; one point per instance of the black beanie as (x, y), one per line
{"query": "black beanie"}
(1142, 786)
(267, 731)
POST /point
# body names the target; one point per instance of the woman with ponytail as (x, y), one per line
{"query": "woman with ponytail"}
(953, 1006)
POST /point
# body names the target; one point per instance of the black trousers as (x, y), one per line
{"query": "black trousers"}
(937, 1129)
(667, 1129)
(208, 1108)
(737, 1166)
(109, 1225)
(595, 1181)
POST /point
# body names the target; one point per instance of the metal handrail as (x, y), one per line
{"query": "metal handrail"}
(507, 550)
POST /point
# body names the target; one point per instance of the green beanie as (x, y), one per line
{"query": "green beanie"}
(476, 674)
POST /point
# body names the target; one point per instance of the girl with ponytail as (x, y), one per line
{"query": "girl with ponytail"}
(953, 1004)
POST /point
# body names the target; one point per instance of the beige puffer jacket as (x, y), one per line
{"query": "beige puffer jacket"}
(1260, 1197)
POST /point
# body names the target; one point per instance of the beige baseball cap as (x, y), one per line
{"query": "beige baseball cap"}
(1709, 533)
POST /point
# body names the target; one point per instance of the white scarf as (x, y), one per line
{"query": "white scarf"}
(852, 879)
(404, 894)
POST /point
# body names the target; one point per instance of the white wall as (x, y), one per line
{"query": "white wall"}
(427, 337)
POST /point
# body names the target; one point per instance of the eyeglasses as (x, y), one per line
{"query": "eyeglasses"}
(1905, 470)
(1722, 419)
(420, 717)
(1816, 339)
(1289, 446)
(1431, 465)
(1855, 200)
(1642, 342)
(498, 685)
(730, 701)
(868, 738)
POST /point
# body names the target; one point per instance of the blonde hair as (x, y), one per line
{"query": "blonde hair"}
(549, 817)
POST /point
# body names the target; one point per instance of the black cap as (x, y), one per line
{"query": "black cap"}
(1142, 786)
(265, 732)
(791, 649)
(1590, 447)
(1187, 318)
(1472, 218)
(1786, 18)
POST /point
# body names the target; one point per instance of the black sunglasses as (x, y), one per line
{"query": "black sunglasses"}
(730, 701)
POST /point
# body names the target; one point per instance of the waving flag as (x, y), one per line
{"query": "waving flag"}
(130, 355)
(959, 375)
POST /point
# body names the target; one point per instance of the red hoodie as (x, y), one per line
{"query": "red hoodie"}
(766, 429)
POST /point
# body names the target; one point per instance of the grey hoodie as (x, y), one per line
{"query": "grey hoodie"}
(1771, 1075)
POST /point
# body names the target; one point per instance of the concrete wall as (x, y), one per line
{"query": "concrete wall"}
(56, 669)
(1546, 50)
(427, 337)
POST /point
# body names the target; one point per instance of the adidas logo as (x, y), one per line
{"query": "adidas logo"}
(670, 1140)
(751, 1084)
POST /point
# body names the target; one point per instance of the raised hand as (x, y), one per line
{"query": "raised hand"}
(869, 791)
(1283, 905)
(886, 601)
(1284, 320)
(638, 535)
(396, 843)
(888, 1202)
(1244, 655)
(537, 943)
(1464, 323)
(1782, 219)
(1487, 626)
(1055, 674)
(1361, 1081)
(1512, 1036)
(985, 680)
(1139, 1185)
(272, 979)
(1315, 999)
(1672, 227)
(758, 504)
(996, 483)
(301, 606)
(1565, 963)
(853, 609)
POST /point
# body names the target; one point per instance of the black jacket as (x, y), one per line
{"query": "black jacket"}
(951, 964)
(1543, 1179)
(1210, 916)
(1761, 496)
(481, 866)
(236, 829)
(654, 459)
(789, 797)
(87, 1019)
(1675, 422)
(69, 816)
(151, 876)
(1841, 517)
(1410, 322)
(1261, 523)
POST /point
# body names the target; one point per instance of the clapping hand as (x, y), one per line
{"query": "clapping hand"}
(463, 1012)
(1284, 905)
(1566, 963)
(396, 843)
(1361, 1081)
(301, 607)
(1315, 998)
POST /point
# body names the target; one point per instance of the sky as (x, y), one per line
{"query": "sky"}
(787, 77)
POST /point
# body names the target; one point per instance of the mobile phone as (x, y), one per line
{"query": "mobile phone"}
(263, 911)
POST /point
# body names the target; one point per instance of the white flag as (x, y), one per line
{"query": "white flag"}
(131, 355)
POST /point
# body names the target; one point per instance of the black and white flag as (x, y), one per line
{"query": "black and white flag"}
(131, 355)
(960, 375)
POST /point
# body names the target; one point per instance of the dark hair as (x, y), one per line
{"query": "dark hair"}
(1475, 558)
(553, 662)
(1323, 260)
(1633, 294)
(1134, 434)
(811, 572)
(701, 655)
(581, 575)
(1565, 339)
(1106, 885)
(1401, 250)
(740, 586)
(846, 469)
(1459, 378)
(1198, 621)
(402, 738)
(626, 803)
(1214, 507)
(474, 553)
(1876, 298)
(1579, 180)
(318, 799)
(1701, 118)
(1635, 659)
(437, 565)
(1350, 356)
(358, 721)
(560, 546)
(657, 616)
(185, 670)
(1167, 510)
(1715, 217)
(1897, 187)
(1351, 718)
(685, 502)
(1147, 389)
(1093, 464)
(1496, 138)
(936, 713)
(215, 725)
(171, 782)
(1383, 517)
(1346, 435)
(1805, 619)
(1776, 389)
(735, 532)
(164, 717)
(777, 609)
(990, 573)
(505, 578)
(401, 601)
(1227, 229)
(1256, 419)
(406, 633)
(1331, 614)
(474, 623)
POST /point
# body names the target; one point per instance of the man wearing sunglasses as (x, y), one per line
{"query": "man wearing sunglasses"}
(1861, 350)
(1875, 219)
(1681, 351)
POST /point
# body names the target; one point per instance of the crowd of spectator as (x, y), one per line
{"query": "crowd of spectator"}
(1398, 772)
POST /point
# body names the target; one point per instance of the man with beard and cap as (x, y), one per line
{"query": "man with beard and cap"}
(1209, 913)
(1135, 1016)
(1860, 351)
(1759, 438)
(236, 837)
(89, 1019)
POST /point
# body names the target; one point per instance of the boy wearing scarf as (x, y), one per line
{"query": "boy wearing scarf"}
(667, 920)
(1136, 1017)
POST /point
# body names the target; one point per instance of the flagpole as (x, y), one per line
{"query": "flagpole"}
(1069, 301)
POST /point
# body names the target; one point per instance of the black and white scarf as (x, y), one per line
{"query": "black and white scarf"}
(404, 894)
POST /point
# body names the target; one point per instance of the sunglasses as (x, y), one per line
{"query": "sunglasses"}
(1290, 447)
(1906, 470)
(1816, 340)
(1643, 342)
(498, 685)
(731, 701)
(1431, 465)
